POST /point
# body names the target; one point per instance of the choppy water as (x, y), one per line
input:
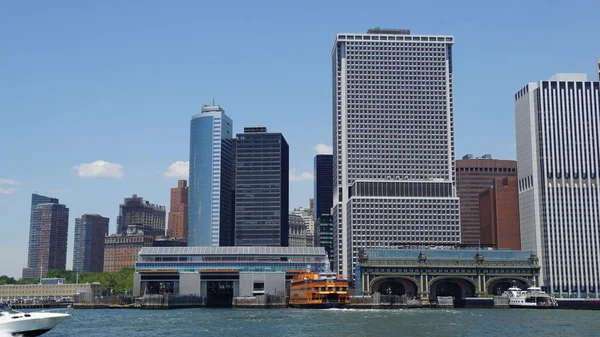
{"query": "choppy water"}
(335, 322)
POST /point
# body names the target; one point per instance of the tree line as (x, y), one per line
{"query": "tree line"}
(121, 282)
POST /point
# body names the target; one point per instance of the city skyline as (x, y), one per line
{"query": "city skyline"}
(114, 88)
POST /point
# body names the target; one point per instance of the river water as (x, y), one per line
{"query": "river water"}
(333, 322)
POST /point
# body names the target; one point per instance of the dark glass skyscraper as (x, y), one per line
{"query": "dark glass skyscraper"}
(88, 249)
(210, 218)
(261, 188)
(323, 185)
(48, 233)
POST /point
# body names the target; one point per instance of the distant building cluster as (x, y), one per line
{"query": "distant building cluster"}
(391, 182)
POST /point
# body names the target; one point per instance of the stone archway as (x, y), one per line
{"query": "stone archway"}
(395, 286)
(496, 286)
(454, 286)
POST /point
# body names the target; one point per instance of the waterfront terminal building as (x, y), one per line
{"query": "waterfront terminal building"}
(236, 271)
(427, 273)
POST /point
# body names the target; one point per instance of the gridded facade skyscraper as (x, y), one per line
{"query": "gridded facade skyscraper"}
(178, 212)
(141, 215)
(558, 149)
(210, 218)
(47, 237)
(393, 142)
(323, 185)
(88, 249)
(473, 176)
(261, 188)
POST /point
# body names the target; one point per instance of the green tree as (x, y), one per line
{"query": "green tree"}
(66, 274)
(7, 280)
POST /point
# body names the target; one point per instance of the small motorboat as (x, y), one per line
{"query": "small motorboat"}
(26, 324)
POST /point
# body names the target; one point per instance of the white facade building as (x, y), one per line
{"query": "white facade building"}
(393, 143)
(557, 127)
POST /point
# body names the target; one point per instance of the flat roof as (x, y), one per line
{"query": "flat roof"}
(452, 254)
(283, 251)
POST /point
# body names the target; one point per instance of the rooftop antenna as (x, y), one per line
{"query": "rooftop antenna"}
(213, 101)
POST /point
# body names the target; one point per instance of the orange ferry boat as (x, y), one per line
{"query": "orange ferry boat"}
(319, 290)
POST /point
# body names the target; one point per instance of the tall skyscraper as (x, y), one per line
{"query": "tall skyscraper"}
(261, 188)
(323, 185)
(473, 176)
(211, 178)
(48, 235)
(32, 270)
(499, 214)
(144, 216)
(558, 148)
(178, 212)
(393, 142)
(88, 249)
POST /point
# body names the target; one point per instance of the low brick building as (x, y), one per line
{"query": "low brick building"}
(121, 250)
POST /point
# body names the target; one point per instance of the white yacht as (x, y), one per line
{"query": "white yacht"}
(533, 297)
(26, 324)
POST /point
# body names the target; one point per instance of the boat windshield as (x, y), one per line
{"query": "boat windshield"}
(5, 308)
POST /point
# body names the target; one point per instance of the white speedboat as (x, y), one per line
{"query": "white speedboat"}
(533, 297)
(27, 324)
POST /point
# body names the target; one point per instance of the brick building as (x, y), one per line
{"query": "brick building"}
(474, 175)
(121, 250)
(178, 213)
(499, 214)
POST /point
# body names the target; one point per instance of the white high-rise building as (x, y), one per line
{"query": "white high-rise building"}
(393, 143)
(557, 159)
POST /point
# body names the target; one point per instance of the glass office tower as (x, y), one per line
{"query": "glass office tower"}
(323, 185)
(210, 217)
(393, 142)
(261, 188)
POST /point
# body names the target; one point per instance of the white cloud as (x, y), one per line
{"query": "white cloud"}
(323, 149)
(9, 182)
(7, 190)
(179, 169)
(300, 177)
(99, 168)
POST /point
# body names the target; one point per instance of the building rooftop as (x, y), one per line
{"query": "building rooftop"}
(378, 30)
(569, 77)
(220, 251)
(453, 254)
(255, 129)
(212, 108)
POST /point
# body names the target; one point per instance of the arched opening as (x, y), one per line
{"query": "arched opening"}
(395, 286)
(448, 289)
(457, 288)
(497, 287)
(392, 288)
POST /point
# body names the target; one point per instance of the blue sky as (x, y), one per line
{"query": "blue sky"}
(114, 81)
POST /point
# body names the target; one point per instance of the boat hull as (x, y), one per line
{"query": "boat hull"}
(319, 305)
(531, 307)
(31, 324)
